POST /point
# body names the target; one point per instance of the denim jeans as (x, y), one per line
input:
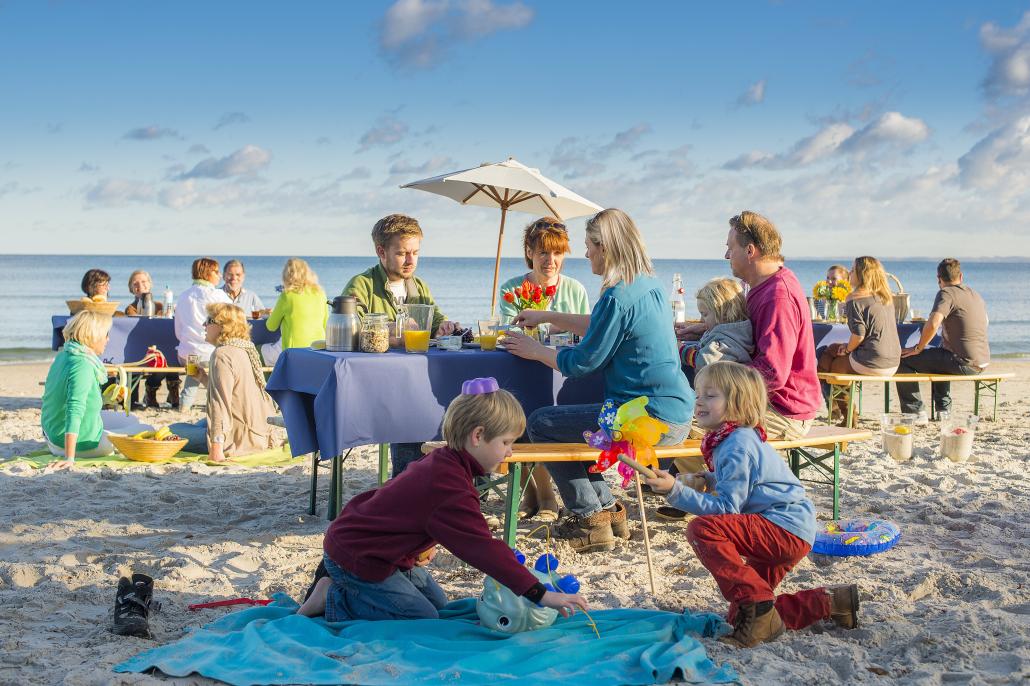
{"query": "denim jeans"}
(188, 392)
(583, 492)
(930, 361)
(195, 433)
(402, 595)
(403, 454)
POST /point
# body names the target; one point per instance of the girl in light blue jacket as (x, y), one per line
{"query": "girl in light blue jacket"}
(754, 521)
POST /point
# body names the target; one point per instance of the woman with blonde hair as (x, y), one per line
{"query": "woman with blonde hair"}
(629, 338)
(237, 405)
(873, 348)
(72, 420)
(300, 310)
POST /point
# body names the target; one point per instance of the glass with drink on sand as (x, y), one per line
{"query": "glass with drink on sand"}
(418, 323)
(488, 333)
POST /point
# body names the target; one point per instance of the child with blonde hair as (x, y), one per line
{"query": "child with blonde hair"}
(728, 335)
(376, 551)
(754, 522)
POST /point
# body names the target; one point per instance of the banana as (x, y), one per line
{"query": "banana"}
(144, 434)
(160, 434)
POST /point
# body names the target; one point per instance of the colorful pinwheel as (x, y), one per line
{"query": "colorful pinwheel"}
(629, 431)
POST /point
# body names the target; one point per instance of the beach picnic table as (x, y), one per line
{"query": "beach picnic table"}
(334, 402)
(131, 336)
(825, 334)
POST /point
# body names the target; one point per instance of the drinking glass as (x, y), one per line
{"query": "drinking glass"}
(488, 333)
(418, 321)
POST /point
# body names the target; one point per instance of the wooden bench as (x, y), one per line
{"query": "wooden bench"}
(850, 383)
(818, 452)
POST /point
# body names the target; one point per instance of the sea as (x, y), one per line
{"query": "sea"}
(35, 287)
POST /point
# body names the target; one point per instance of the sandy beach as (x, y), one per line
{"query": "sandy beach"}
(950, 604)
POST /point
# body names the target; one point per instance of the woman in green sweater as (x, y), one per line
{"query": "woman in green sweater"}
(301, 309)
(71, 419)
(545, 244)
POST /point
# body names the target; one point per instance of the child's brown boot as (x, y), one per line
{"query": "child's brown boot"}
(755, 623)
(620, 523)
(844, 605)
(587, 534)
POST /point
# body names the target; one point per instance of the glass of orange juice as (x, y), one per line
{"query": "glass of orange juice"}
(418, 323)
(488, 333)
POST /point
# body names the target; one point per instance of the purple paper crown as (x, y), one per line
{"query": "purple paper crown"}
(486, 384)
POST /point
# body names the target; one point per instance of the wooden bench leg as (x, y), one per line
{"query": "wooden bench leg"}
(887, 397)
(511, 504)
(800, 458)
(384, 463)
(849, 420)
(986, 387)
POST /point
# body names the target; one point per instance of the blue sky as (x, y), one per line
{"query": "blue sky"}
(898, 129)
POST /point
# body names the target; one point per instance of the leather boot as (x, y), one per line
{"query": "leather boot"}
(755, 623)
(587, 534)
(152, 397)
(844, 605)
(619, 520)
(132, 606)
(173, 384)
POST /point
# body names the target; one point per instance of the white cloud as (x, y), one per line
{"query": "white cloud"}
(230, 118)
(892, 130)
(246, 161)
(417, 33)
(1009, 73)
(434, 164)
(150, 133)
(355, 173)
(1000, 161)
(580, 158)
(387, 131)
(119, 192)
(754, 95)
(187, 194)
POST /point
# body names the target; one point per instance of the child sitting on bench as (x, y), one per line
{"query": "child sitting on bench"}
(377, 549)
(760, 523)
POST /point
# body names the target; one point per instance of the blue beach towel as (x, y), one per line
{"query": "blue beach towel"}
(274, 645)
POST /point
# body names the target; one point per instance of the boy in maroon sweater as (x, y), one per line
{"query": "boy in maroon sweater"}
(377, 549)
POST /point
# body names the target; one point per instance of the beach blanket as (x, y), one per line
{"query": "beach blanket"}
(274, 645)
(275, 457)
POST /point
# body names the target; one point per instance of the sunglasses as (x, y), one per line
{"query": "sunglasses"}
(543, 226)
(210, 322)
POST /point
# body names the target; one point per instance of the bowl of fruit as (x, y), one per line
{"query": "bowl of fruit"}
(149, 446)
(98, 303)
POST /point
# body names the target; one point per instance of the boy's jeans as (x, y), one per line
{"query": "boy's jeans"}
(583, 492)
(402, 595)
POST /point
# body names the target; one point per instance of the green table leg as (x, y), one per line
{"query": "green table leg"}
(836, 480)
(887, 398)
(334, 474)
(976, 398)
(384, 463)
(314, 483)
(511, 504)
(848, 421)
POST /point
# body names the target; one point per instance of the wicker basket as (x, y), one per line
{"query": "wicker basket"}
(107, 307)
(901, 300)
(146, 449)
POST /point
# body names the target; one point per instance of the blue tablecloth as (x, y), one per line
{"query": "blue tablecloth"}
(335, 401)
(131, 336)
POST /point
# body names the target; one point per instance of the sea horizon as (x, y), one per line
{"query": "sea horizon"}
(38, 285)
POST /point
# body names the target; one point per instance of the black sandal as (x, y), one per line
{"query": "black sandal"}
(671, 513)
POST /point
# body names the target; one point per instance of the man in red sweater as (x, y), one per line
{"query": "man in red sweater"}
(782, 326)
(377, 549)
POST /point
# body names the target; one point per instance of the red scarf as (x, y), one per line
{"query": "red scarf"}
(712, 440)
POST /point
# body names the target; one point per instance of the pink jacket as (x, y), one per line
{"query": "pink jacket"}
(784, 346)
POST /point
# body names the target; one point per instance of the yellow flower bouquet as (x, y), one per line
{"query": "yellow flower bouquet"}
(832, 295)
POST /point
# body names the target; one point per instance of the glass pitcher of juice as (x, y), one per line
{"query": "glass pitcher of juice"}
(418, 322)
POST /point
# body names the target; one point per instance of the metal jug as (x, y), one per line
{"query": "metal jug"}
(343, 325)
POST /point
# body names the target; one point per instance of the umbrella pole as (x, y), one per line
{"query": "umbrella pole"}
(497, 262)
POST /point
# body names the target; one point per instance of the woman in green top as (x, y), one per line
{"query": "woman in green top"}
(545, 244)
(301, 308)
(71, 419)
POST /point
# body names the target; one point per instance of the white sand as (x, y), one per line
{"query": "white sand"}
(950, 604)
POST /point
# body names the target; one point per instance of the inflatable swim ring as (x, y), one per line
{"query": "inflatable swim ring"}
(849, 537)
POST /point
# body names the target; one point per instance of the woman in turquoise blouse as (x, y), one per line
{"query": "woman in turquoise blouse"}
(545, 244)
(629, 338)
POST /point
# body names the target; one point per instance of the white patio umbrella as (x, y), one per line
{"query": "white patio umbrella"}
(509, 185)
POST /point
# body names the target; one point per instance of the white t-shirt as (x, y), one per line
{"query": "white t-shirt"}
(400, 292)
(190, 315)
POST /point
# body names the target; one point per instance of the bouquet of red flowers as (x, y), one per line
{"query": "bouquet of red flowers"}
(530, 296)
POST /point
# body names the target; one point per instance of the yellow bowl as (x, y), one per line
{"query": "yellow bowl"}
(146, 449)
(107, 307)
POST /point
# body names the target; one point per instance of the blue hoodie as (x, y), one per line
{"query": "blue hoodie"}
(751, 478)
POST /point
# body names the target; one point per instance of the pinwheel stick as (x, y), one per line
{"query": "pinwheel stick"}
(641, 469)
